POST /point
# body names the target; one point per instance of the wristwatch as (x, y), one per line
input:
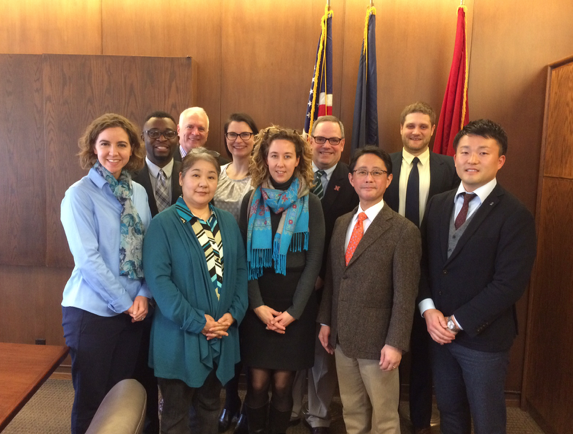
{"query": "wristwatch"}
(452, 325)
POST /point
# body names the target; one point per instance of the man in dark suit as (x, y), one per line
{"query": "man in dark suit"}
(369, 298)
(418, 175)
(479, 248)
(338, 197)
(160, 178)
(193, 130)
(160, 175)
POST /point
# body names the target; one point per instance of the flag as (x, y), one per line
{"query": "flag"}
(365, 125)
(454, 114)
(320, 97)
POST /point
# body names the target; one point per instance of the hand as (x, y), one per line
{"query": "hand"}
(280, 323)
(210, 323)
(220, 328)
(323, 337)
(390, 358)
(139, 308)
(437, 327)
(319, 283)
(267, 314)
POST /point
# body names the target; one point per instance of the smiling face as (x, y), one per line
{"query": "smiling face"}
(113, 150)
(240, 148)
(477, 161)
(416, 132)
(370, 189)
(160, 150)
(326, 155)
(193, 130)
(282, 160)
(198, 184)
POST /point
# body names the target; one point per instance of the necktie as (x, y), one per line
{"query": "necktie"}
(356, 236)
(161, 191)
(317, 189)
(413, 194)
(463, 214)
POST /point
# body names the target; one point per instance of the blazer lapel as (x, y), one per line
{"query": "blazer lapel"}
(435, 174)
(445, 225)
(144, 179)
(333, 188)
(337, 243)
(380, 225)
(175, 187)
(480, 215)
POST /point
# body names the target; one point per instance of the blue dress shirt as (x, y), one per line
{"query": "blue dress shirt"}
(90, 214)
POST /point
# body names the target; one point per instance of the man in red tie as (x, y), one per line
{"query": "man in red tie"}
(479, 248)
(369, 297)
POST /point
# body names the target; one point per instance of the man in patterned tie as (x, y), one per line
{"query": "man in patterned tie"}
(337, 197)
(160, 178)
(369, 296)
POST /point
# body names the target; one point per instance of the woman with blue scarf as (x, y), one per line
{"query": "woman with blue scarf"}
(195, 266)
(104, 216)
(283, 226)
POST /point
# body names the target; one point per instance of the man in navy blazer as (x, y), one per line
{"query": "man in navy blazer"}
(479, 245)
(435, 174)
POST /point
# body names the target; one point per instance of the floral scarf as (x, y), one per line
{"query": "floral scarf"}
(131, 226)
(292, 204)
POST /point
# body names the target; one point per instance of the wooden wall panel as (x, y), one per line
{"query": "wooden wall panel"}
(177, 28)
(77, 89)
(22, 166)
(55, 26)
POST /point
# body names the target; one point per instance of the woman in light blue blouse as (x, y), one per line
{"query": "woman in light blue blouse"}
(104, 216)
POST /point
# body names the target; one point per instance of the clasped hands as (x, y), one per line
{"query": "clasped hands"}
(275, 321)
(139, 308)
(217, 329)
(438, 327)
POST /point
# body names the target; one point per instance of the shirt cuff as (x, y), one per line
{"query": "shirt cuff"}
(426, 304)
(457, 322)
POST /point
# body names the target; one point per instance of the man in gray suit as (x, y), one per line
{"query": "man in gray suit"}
(369, 298)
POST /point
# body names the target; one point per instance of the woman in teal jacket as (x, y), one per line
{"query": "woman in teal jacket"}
(195, 267)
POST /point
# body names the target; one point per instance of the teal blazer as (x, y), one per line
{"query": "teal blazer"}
(176, 273)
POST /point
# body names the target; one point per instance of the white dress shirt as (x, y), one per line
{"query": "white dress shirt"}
(424, 172)
(371, 214)
(326, 177)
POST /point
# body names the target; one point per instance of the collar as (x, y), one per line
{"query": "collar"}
(185, 214)
(96, 178)
(482, 192)
(182, 152)
(328, 171)
(424, 157)
(371, 212)
(154, 169)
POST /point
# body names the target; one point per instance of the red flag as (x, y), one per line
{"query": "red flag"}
(454, 114)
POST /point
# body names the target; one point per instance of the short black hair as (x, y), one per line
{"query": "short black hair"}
(371, 149)
(484, 128)
(159, 114)
(238, 117)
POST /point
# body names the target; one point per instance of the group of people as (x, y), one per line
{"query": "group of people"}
(289, 264)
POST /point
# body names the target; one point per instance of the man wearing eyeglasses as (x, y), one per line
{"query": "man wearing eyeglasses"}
(338, 197)
(369, 297)
(418, 175)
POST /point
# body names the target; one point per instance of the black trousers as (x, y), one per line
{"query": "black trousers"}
(104, 351)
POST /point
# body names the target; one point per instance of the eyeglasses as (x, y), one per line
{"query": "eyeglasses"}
(361, 173)
(243, 136)
(322, 140)
(155, 134)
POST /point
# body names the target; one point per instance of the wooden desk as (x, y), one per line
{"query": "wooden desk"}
(23, 369)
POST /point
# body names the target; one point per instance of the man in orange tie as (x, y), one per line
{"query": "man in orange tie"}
(369, 297)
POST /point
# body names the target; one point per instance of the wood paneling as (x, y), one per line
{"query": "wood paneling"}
(22, 166)
(55, 26)
(77, 89)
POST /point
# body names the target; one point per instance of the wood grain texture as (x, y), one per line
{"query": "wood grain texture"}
(22, 166)
(77, 89)
(55, 26)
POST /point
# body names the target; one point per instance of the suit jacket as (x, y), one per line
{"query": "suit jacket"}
(370, 302)
(339, 198)
(486, 273)
(220, 159)
(143, 177)
(443, 177)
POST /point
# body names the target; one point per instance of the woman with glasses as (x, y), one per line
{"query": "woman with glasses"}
(234, 182)
(195, 267)
(104, 216)
(283, 226)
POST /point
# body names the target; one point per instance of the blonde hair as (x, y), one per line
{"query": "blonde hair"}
(87, 141)
(258, 166)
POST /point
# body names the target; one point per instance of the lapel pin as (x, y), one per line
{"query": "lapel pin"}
(491, 203)
(337, 188)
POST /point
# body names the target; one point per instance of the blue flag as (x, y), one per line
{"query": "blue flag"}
(365, 125)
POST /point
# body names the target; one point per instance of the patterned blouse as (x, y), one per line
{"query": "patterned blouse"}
(230, 192)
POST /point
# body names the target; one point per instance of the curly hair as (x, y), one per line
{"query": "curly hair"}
(87, 141)
(258, 166)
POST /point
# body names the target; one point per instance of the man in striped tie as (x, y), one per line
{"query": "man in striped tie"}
(369, 297)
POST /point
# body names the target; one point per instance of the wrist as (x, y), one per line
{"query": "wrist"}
(452, 325)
